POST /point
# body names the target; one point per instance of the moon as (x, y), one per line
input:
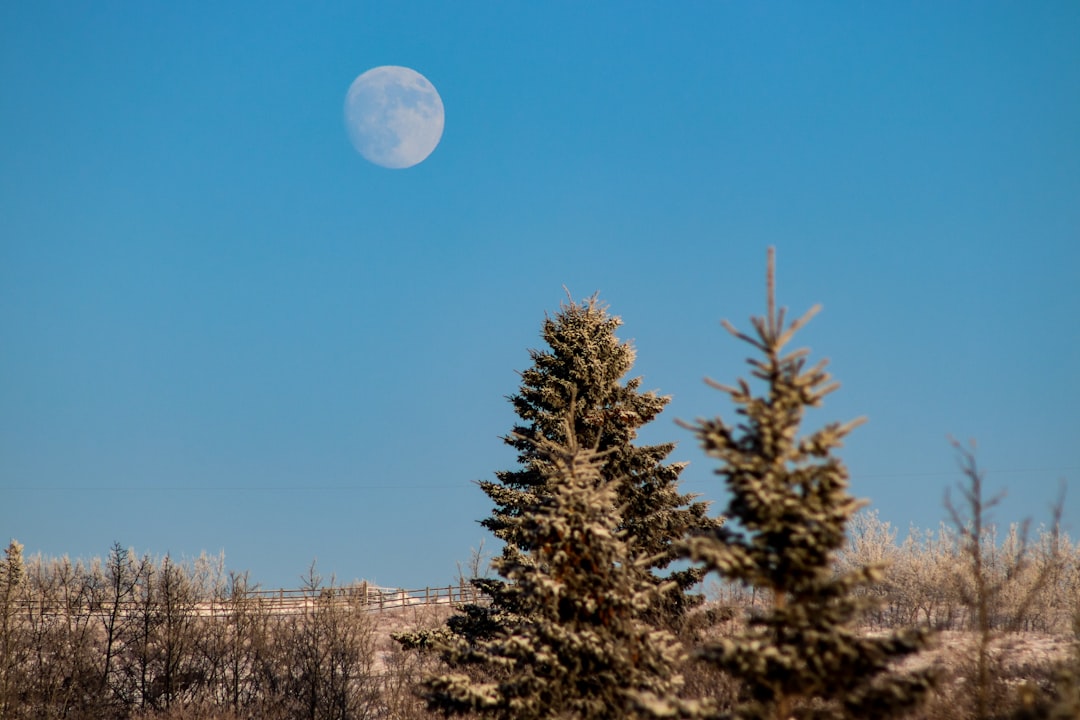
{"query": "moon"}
(394, 116)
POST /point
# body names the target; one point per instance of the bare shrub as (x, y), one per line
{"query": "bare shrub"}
(321, 665)
(12, 651)
(239, 648)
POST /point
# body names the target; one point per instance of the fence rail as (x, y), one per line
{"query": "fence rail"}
(358, 596)
(371, 597)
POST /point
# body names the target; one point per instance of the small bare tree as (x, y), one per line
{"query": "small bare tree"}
(990, 574)
(239, 645)
(324, 658)
(114, 592)
(12, 579)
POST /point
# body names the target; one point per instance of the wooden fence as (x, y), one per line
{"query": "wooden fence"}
(366, 596)
(360, 596)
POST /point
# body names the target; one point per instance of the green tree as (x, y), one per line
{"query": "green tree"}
(581, 648)
(586, 364)
(805, 656)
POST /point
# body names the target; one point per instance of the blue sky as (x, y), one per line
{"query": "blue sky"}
(223, 330)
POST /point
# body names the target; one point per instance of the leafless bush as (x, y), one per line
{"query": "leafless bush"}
(1000, 594)
(928, 577)
(132, 637)
(324, 659)
(239, 649)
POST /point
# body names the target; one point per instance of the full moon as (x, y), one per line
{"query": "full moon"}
(394, 116)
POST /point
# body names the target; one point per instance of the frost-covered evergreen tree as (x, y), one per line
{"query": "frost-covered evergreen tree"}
(586, 361)
(585, 365)
(805, 656)
(580, 649)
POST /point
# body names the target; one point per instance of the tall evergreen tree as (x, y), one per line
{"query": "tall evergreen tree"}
(805, 657)
(580, 649)
(586, 364)
(580, 376)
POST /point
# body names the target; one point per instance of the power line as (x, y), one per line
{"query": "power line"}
(446, 486)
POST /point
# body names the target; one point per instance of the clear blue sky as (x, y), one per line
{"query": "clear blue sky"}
(222, 329)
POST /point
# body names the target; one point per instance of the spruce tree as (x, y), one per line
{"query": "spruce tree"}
(805, 656)
(586, 364)
(580, 649)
